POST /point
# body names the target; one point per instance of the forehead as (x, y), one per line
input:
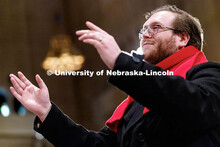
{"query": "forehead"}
(162, 17)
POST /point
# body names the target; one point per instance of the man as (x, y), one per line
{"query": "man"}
(180, 110)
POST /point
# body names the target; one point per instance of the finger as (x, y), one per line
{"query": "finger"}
(40, 82)
(94, 27)
(16, 86)
(95, 36)
(81, 32)
(24, 79)
(22, 85)
(14, 92)
(93, 42)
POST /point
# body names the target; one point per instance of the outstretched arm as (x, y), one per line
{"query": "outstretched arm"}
(58, 128)
(33, 98)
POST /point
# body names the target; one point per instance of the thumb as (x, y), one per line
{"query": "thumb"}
(40, 82)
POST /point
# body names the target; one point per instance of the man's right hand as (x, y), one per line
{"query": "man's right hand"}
(33, 98)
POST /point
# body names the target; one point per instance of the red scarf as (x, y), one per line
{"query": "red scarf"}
(179, 63)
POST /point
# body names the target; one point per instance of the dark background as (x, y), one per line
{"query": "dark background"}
(26, 27)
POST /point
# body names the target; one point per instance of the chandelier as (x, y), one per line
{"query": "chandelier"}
(63, 55)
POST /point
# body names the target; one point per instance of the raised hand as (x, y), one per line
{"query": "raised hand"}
(33, 98)
(105, 44)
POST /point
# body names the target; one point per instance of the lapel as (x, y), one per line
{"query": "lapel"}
(137, 113)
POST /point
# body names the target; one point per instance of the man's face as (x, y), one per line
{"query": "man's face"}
(158, 47)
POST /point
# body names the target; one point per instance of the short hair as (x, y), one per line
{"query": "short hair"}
(184, 22)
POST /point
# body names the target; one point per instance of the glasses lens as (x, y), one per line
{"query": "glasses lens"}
(153, 30)
(140, 35)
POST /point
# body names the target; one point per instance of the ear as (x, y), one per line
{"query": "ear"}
(183, 39)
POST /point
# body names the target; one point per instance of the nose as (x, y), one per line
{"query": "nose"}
(146, 34)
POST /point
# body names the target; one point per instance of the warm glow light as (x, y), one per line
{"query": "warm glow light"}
(62, 55)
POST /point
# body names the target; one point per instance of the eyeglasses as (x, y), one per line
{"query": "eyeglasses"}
(153, 30)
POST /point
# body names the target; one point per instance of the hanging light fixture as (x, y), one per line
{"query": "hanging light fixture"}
(63, 55)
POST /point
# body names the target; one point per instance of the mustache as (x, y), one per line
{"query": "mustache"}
(147, 41)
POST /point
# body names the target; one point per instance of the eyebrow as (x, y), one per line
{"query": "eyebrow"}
(152, 24)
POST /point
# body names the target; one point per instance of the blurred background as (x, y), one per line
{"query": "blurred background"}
(36, 35)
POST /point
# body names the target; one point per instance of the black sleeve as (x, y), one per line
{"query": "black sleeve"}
(196, 99)
(61, 131)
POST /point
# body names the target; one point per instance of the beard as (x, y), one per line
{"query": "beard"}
(163, 50)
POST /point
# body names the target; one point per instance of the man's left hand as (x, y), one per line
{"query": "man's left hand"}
(105, 44)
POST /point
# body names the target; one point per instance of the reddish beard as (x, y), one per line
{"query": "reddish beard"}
(164, 50)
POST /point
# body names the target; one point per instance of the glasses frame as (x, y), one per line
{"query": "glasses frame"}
(150, 28)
